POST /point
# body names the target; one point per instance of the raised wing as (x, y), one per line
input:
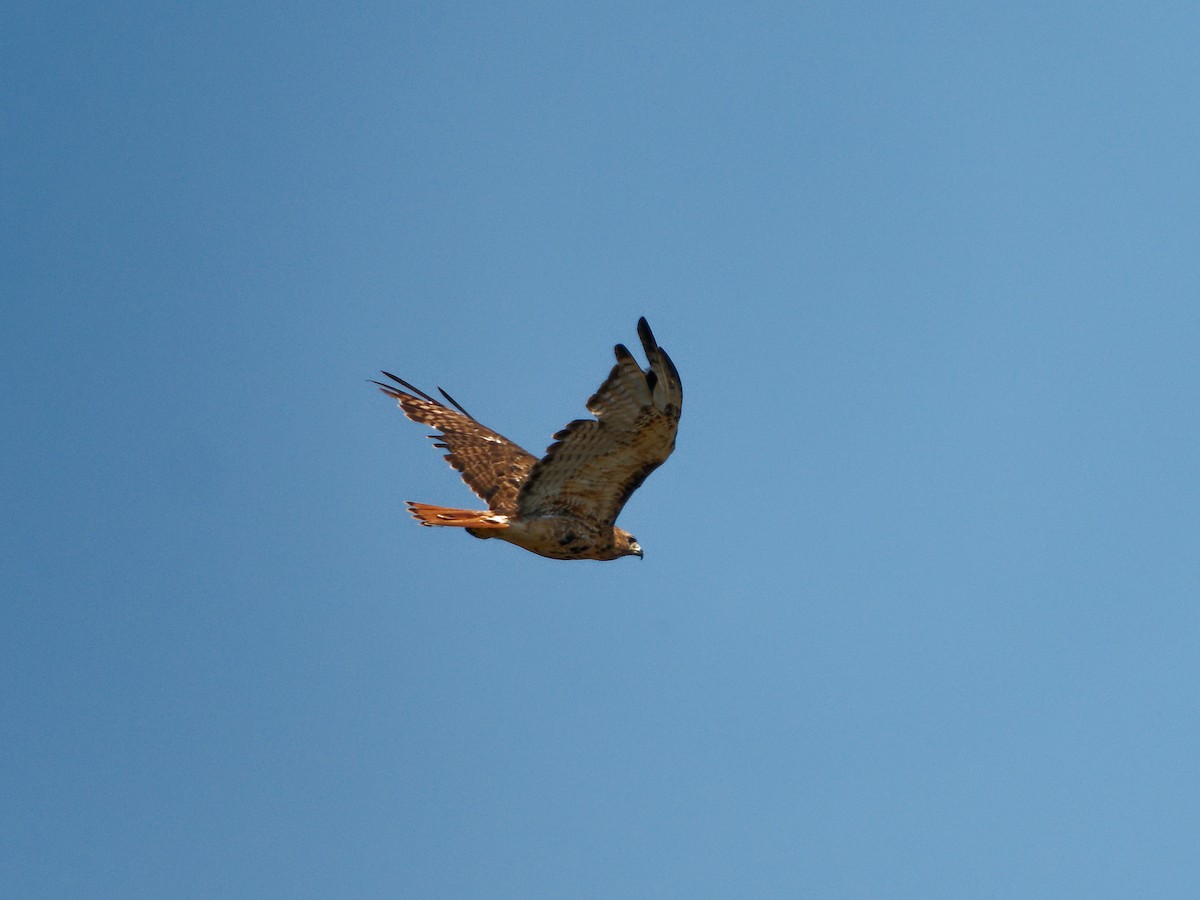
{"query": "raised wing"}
(596, 464)
(491, 465)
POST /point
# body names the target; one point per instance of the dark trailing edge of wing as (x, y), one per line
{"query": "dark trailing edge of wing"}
(636, 481)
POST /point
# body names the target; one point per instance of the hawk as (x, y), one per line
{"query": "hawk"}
(564, 505)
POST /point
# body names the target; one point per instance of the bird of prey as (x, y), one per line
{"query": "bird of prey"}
(564, 505)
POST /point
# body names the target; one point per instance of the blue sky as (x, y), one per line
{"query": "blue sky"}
(918, 614)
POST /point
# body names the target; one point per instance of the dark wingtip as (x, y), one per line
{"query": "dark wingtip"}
(622, 352)
(454, 403)
(671, 370)
(408, 387)
(647, 336)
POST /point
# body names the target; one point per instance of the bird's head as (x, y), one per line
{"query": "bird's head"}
(626, 544)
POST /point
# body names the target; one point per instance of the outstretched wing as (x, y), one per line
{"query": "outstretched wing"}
(596, 464)
(491, 465)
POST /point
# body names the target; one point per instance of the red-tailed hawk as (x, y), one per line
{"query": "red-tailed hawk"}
(565, 504)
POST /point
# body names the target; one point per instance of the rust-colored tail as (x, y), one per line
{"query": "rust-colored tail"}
(428, 514)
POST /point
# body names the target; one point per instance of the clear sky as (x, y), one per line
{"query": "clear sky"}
(919, 610)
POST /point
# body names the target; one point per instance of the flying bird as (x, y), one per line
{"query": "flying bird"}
(564, 505)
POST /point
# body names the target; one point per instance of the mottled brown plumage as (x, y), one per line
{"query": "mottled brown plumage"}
(565, 505)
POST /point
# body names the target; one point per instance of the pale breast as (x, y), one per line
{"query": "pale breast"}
(560, 537)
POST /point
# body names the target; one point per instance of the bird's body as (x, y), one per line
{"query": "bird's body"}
(553, 536)
(565, 505)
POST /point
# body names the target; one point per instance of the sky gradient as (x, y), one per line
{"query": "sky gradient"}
(918, 614)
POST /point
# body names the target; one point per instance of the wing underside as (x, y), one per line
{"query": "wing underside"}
(491, 465)
(596, 464)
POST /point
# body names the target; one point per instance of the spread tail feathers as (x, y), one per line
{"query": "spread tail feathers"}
(428, 514)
